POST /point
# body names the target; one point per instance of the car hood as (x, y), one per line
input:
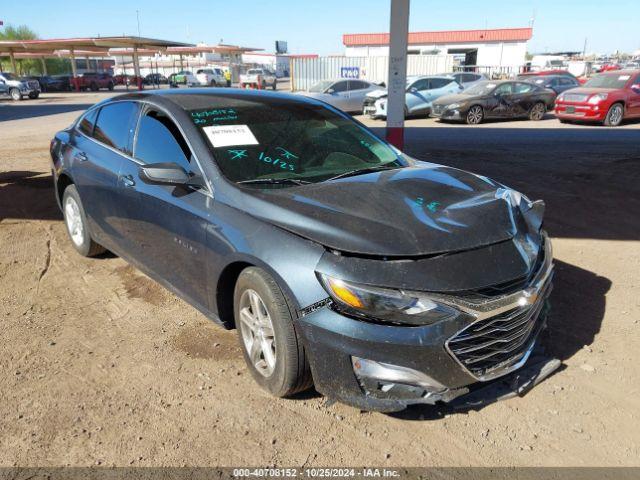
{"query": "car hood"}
(424, 209)
(455, 98)
(591, 91)
(380, 93)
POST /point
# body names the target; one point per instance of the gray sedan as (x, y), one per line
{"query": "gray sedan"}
(347, 95)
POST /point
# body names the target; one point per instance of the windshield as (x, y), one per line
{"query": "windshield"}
(9, 76)
(608, 81)
(320, 87)
(482, 88)
(280, 139)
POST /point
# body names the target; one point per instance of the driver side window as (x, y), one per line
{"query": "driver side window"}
(339, 87)
(504, 89)
(159, 140)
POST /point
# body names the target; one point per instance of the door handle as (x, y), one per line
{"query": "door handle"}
(128, 181)
(81, 157)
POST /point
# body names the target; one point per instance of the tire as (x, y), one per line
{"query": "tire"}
(475, 115)
(537, 112)
(615, 115)
(34, 95)
(80, 237)
(288, 372)
(110, 86)
(16, 95)
(93, 87)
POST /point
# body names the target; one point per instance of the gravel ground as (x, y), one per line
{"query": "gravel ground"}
(101, 366)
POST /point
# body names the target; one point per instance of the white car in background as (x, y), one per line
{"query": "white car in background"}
(420, 94)
(346, 95)
(213, 77)
(259, 76)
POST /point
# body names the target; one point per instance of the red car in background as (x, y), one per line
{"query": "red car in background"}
(608, 98)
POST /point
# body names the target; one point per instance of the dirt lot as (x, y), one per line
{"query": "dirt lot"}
(101, 366)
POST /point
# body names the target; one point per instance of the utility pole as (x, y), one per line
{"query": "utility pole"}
(396, 90)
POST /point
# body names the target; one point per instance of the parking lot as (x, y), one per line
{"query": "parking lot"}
(103, 366)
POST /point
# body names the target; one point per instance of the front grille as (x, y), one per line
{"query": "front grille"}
(368, 101)
(489, 347)
(437, 109)
(575, 97)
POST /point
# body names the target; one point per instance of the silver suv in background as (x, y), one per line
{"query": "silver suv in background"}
(347, 95)
(16, 88)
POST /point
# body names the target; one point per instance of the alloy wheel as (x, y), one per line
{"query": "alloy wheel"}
(615, 115)
(257, 332)
(73, 219)
(474, 116)
(538, 111)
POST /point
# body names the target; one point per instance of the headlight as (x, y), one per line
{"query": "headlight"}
(453, 105)
(384, 304)
(597, 98)
(560, 98)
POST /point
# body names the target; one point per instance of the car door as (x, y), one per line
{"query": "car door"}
(633, 103)
(417, 96)
(504, 104)
(100, 143)
(357, 91)
(523, 98)
(339, 95)
(166, 224)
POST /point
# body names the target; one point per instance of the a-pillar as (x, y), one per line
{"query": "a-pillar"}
(398, 39)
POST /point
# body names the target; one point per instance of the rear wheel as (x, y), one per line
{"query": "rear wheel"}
(110, 86)
(76, 222)
(271, 347)
(34, 95)
(537, 112)
(93, 87)
(15, 94)
(614, 115)
(475, 115)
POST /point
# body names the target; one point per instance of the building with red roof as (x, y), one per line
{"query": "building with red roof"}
(502, 47)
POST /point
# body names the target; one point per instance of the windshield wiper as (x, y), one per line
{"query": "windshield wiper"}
(274, 181)
(360, 171)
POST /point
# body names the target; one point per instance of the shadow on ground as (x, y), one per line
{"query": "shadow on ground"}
(24, 109)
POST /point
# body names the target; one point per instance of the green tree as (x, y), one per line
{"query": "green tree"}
(21, 32)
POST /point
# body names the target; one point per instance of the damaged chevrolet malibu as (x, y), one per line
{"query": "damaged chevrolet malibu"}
(343, 263)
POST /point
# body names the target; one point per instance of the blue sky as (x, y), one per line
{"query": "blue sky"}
(316, 26)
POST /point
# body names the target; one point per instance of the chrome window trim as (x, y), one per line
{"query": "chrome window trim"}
(209, 188)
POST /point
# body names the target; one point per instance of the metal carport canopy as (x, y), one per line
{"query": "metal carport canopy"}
(91, 44)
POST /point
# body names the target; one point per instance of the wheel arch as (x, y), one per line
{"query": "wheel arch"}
(226, 283)
(63, 181)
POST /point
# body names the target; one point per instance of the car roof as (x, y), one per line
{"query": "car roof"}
(194, 98)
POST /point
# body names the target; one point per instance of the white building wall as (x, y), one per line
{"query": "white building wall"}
(505, 54)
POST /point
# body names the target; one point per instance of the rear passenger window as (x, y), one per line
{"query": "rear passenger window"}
(159, 140)
(87, 122)
(340, 87)
(523, 87)
(440, 82)
(114, 125)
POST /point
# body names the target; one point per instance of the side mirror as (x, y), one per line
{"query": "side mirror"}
(636, 87)
(330, 91)
(168, 174)
(413, 90)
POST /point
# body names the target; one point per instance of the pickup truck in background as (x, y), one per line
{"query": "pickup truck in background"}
(18, 88)
(213, 77)
(258, 78)
(94, 81)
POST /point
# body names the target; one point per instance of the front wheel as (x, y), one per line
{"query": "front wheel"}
(537, 112)
(76, 221)
(614, 115)
(475, 115)
(15, 94)
(271, 347)
(34, 95)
